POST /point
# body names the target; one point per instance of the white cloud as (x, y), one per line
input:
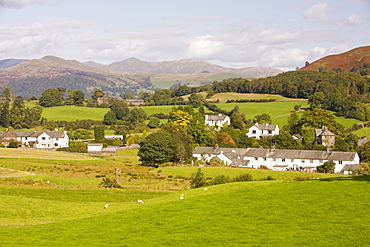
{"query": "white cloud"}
(19, 4)
(204, 47)
(317, 11)
(352, 20)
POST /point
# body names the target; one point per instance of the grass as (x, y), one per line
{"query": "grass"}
(72, 113)
(310, 213)
(62, 205)
(41, 154)
(363, 132)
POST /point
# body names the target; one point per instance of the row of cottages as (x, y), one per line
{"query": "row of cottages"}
(217, 121)
(279, 159)
(37, 139)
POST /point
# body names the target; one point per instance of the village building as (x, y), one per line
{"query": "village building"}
(324, 136)
(135, 102)
(36, 139)
(279, 159)
(263, 130)
(217, 121)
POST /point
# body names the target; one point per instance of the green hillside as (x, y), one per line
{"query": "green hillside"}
(310, 213)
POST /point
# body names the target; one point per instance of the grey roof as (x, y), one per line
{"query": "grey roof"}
(266, 126)
(219, 117)
(362, 141)
(17, 134)
(323, 132)
(352, 167)
(280, 153)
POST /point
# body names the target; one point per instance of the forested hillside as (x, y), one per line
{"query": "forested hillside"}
(344, 93)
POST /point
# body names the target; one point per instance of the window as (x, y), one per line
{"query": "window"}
(273, 159)
(56, 144)
(311, 161)
(303, 161)
(340, 162)
(254, 132)
(283, 160)
(270, 131)
(255, 158)
(320, 161)
(291, 160)
(264, 159)
(43, 138)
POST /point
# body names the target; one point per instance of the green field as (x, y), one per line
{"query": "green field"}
(59, 203)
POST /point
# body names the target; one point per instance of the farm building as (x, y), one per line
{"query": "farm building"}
(217, 121)
(37, 139)
(278, 159)
(263, 130)
(324, 136)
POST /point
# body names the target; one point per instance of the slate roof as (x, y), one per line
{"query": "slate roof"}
(323, 132)
(279, 153)
(219, 117)
(362, 141)
(266, 126)
(18, 134)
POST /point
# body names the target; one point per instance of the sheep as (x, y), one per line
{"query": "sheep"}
(106, 206)
(140, 201)
(182, 196)
(205, 189)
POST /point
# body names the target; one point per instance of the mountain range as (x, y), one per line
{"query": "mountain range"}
(184, 66)
(31, 78)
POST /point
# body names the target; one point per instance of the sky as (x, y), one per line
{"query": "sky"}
(233, 33)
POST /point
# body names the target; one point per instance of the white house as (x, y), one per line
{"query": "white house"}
(36, 139)
(263, 130)
(217, 121)
(279, 159)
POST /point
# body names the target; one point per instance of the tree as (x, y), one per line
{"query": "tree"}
(317, 118)
(75, 97)
(284, 140)
(179, 117)
(364, 152)
(98, 93)
(197, 179)
(17, 113)
(224, 140)
(119, 108)
(327, 167)
(52, 97)
(32, 116)
(263, 118)
(154, 122)
(99, 133)
(195, 100)
(236, 121)
(137, 115)
(156, 149)
(181, 146)
(129, 96)
(293, 124)
(316, 100)
(5, 115)
(109, 118)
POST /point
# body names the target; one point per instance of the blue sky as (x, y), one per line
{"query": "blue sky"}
(234, 33)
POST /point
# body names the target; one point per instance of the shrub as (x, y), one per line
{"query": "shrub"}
(220, 179)
(197, 179)
(77, 149)
(13, 144)
(243, 178)
(109, 183)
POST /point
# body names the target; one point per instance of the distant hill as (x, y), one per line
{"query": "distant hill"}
(7, 63)
(32, 78)
(346, 60)
(185, 66)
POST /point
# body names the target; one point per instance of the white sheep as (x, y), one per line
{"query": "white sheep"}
(205, 189)
(182, 196)
(140, 201)
(106, 206)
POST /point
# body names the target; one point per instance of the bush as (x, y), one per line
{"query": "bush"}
(197, 179)
(243, 178)
(13, 144)
(220, 179)
(109, 183)
(77, 149)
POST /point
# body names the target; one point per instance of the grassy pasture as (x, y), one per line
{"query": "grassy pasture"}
(72, 113)
(332, 212)
(363, 132)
